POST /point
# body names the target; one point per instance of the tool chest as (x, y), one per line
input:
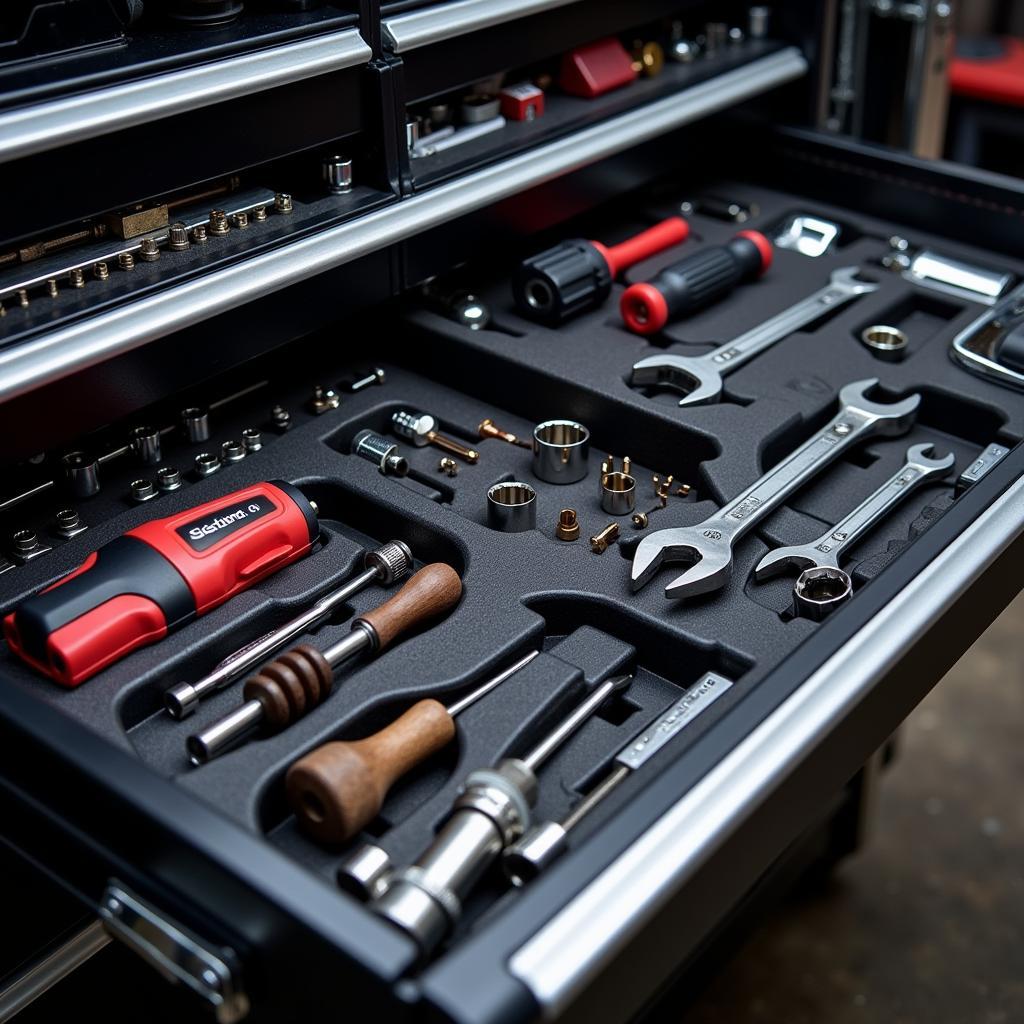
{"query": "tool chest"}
(382, 343)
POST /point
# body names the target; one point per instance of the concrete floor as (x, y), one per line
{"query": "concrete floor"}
(926, 924)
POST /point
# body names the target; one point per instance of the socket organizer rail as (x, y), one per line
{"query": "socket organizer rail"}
(63, 351)
(44, 126)
(393, 730)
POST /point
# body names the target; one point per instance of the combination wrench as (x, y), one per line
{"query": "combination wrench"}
(827, 549)
(708, 546)
(699, 378)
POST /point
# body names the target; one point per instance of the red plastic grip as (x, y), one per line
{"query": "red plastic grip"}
(669, 232)
(643, 308)
(764, 247)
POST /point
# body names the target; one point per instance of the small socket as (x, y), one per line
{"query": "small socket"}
(252, 439)
(219, 225)
(568, 526)
(885, 342)
(68, 523)
(512, 507)
(819, 591)
(25, 545)
(145, 442)
(232, 451)
(560, 451)
(195, 422)
(207, 464)
(82, 473)
(168, 478)
(149, 250)
(177, 237)
(337, 172)
(381, 451)
(142, 490)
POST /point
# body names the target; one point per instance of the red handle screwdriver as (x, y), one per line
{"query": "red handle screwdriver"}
(576, 275)
(155, 578)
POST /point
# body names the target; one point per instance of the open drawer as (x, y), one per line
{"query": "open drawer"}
(774, 711)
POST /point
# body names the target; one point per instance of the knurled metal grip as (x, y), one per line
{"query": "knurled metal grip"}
(392, 561)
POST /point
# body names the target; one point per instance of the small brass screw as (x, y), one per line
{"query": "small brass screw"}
(600, 542)
(448, 466)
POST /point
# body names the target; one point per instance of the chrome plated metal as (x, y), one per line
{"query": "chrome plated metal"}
(512, 507)
(31, 982)
(481, 691)
(820, 591)
(406, 32)
(385, 565)
(807, 235)
(177, 953)
(561, 959)
(700, 377)
(64, 351)
(561, 449)
(976, 347)
(60, 122)
(917, 470)
(708, 546)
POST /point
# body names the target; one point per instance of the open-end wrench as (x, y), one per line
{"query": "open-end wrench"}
(699, 378)
(708, 546)
(827, 549)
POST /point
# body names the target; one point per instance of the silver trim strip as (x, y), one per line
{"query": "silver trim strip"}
(30, 983)
(432, 24)
(559, 961)
(59, 122)
(64, 351)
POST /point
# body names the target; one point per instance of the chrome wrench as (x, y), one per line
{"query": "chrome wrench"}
(699, 378)
(826, 550)
(708, 546)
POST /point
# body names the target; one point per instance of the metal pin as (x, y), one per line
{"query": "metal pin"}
(51, 288)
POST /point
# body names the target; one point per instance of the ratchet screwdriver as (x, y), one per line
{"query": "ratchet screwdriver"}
(159, 576)
(387, 564)
(492, 811)
(297, 681)
(576, 275)
(695, 282)
(339, 788)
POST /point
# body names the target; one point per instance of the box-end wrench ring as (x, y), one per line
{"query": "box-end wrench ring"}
(708, 546)
(699, 378)
(825, 551)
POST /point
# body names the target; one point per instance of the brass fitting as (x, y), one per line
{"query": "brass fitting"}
(600, 542)
(488, 428)
(448, 466)
(640, 520)
(568, 527)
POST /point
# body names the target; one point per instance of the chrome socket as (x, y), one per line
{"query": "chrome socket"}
(82, 473)
(885, 342)
(512, 507)
(145, 442)
(618, 493)
(560, 451)
(820, 591)
(382, 452)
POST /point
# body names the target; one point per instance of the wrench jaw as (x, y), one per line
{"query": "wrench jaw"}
(710, 563)
(795, 559)
(890, 418)
(920, 455)
(684, 374)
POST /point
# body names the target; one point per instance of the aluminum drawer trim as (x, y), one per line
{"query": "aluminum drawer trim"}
(69, 349)
(59, 122)
(421, 28)
(560, 960)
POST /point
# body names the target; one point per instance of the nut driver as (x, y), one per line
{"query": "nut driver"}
(385, 565)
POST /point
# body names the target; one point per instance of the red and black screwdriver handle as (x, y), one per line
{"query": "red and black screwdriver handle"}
(153, 579)
(695, 282)
(577, 275)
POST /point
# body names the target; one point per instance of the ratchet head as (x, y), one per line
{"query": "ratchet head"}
(697, 381)
(888, 418)
(707, 550)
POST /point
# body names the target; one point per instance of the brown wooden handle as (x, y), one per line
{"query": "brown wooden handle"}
(339, 788)
(434, 590)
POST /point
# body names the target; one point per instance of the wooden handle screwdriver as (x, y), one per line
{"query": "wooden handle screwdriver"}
(296, 681)
(339, 788)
